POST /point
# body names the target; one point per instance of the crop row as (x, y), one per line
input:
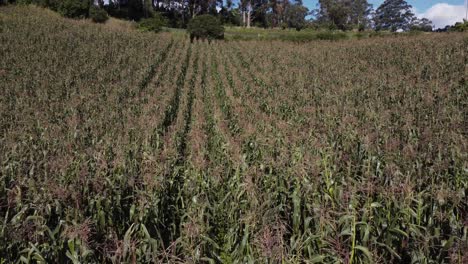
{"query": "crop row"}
(145, 148)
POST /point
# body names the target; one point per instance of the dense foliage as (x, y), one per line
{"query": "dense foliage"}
(295, 15)
(344, 14)
(74, 8)
(330, 14)
(128, 147)
(423, 24)
(394, 15)
(460, 26)
(205, 27)
(153, 24)
(98, 15)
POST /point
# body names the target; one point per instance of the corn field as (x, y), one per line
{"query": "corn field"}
(125, 147)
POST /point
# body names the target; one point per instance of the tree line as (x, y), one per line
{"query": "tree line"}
(391, 15)
(331, 14)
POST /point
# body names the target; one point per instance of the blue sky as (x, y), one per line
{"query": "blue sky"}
(440, 12)
(420, 5)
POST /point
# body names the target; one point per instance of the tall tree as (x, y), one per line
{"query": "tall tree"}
(295, 15)
(253, 11)
(359, 13)
(344, 14)
(229, 15)
(245, 7)
(334, 12)
(394, 15)
(278, 8)
(260, 10)
(136, 9)
(422, 24)
(199, 7)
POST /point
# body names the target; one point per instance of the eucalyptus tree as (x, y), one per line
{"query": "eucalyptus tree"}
(393, 15)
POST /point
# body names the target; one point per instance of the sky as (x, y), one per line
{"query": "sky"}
(440, 12)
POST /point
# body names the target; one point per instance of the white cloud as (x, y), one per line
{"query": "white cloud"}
(443, 14)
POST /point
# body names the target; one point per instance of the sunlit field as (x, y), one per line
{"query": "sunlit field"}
(118, 146)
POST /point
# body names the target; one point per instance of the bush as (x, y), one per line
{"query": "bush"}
(361, 27)
(74, 8)
(43, 3)
(375, 34)
(26, 2)
(328, 35)
(361, 35)
(205, 27)
(98, 15)
(153, 24)
(460, 26)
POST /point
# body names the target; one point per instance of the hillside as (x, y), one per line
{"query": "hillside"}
(124, 147)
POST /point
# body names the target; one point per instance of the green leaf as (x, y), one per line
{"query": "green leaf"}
(366, 252)
(211, 241)
(399, 231)
(209, 260)
(389, 249)
(316, 259)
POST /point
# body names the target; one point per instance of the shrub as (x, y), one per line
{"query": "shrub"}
(153, 24)
(361, 35)
(205, 27)
(26, 2)
(98, 15)
(375, 34)
(51, 4)
(328, 35)
(361, 27)
(74, 8)
(460, 26)
(289, 36)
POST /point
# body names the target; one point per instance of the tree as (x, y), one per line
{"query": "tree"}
(245, 7)
(344, 14)
(135, 9)
(393, 15)
(153, 24)
(229, 15)
(205, 27)
(100, 3)
(278, 9)
(199, 7)
(459, 26)
(253, 11)
(423, 24)
(359, 13)
(97, 14)
(295, 16)
(259, 14)
(334, 13)
(74, 8)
